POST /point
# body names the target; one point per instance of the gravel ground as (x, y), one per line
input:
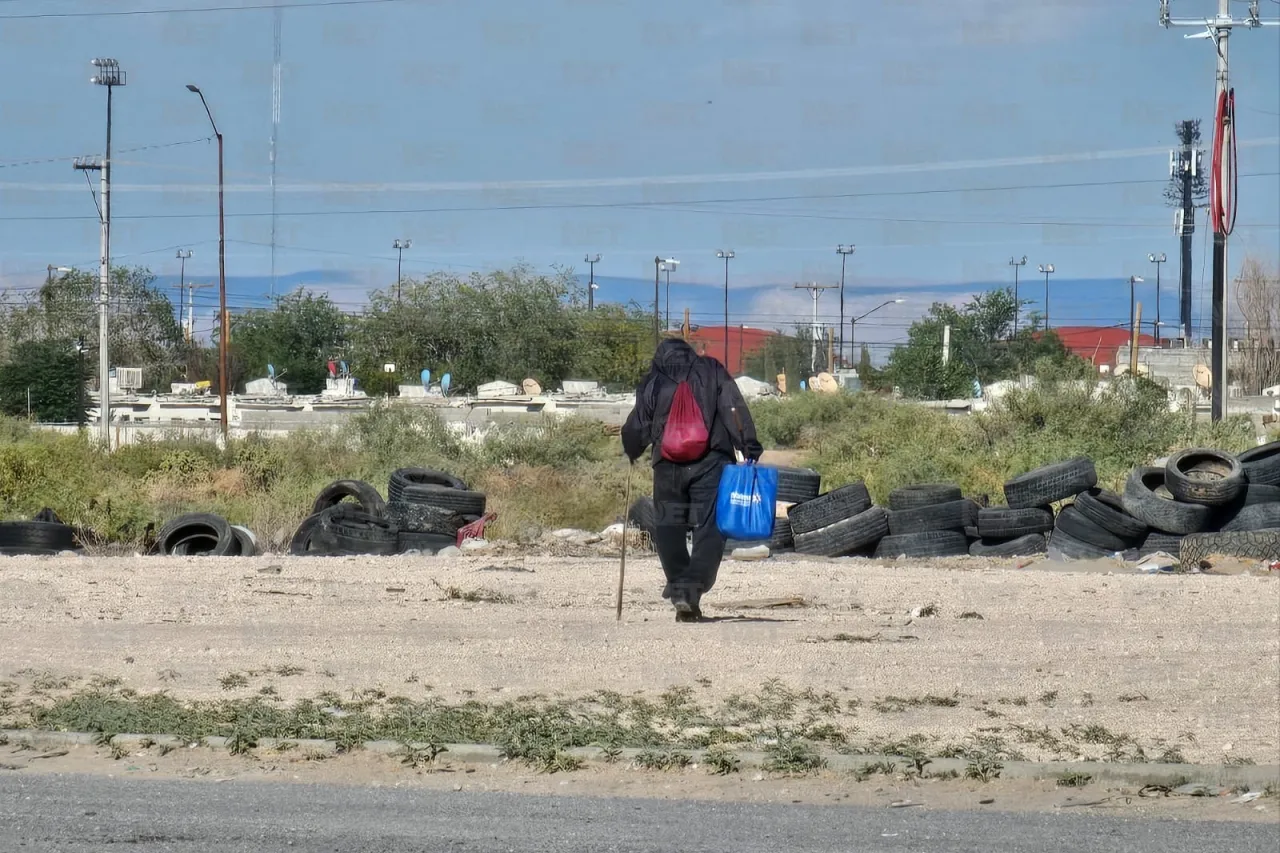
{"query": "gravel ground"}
(1192, 660)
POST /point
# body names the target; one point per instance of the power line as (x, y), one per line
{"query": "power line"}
(10, 164)
(122, 13)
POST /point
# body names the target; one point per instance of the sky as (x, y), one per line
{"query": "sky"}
(940, 139)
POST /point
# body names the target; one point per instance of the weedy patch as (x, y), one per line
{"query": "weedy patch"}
(721, 760)
(1074, 780)
(233, 680)
(791, 755)
(418, 756)
(482, 594)
(983, 769)
(970, 614)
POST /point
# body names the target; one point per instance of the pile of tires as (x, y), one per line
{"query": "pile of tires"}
(43, 535)
(203, 534)
(423, 513)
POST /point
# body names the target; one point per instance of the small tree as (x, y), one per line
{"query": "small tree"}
(1258, 294)
(45, 378)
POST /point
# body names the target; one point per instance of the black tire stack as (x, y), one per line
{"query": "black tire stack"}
(44, 535)
(424, 511)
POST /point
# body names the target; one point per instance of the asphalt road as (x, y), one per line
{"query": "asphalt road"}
(83, 813)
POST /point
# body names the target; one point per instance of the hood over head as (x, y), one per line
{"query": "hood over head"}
(674, 353)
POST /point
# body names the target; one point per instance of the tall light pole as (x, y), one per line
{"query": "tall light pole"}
(591, 281)
(400, 246)
(109, 75)
(1017, 305)
(1045, 270)
(224, 328)
(845, 252)
(1157, 260)
(657, 317)
(182, 256)
(853, 324)
(726, 255)
(1133, 299)
(668, 265)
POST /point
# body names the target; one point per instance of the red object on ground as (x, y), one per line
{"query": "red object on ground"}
(475, 530)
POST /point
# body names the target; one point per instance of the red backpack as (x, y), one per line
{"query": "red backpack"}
(684, 438)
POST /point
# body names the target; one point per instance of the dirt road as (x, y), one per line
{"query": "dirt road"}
(1187, 663)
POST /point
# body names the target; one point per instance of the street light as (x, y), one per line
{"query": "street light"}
(726, 255)
(400, 246)
(224, 332)
(844, 252)
(667, 266)
(109, 75)
(1017, 305)
(1133, 306)
(1157, 260)
(854, 322)
(1046, 269)
(591, 283)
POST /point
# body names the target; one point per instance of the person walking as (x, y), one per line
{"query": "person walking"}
(690, 412)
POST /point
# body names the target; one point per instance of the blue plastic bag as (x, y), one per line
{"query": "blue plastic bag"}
(745, 505)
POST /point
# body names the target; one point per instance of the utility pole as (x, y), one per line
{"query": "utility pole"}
(853, 324)
(1222, 197)
(815, 291)
(591, 283)
(224, 327)
(182, 256)
(399, 246)
(109, 75)
(844, 252)
(186, 297)
(1046, 269)
(1017, 305)
(277, 23)
(1157, 260)
(726, 255)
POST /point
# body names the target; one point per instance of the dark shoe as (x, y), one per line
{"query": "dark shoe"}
(686, 612)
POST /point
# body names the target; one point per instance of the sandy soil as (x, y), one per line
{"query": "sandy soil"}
(1189, 659)
(822, 788)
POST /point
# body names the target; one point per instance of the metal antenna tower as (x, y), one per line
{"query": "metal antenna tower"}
(1219, 29)
(276, 24)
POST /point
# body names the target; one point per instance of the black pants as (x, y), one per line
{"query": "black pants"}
(684, 498)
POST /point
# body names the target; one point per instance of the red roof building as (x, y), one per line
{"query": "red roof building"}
(1099, 344)
(744, 342)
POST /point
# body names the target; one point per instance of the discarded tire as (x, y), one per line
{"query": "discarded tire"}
(1063, 544)
(197, 534)
(405, 483)
(304, 542)
(781, 540)
(931, 543)
(1003, 523)
(1168, 516)
(1156, 541)
(1074, 523)
(847, 536)
(1022, 546)
(1249, 545)
(643, 515)
(1256, 517)
(835, 505)
(460, 501)
(943, 516)
(247, 543)
(1262, 464)
(1204, 476)
(1106, 510)
(350, 531)
(924, 494)
(798, 485)
(36, 537)
(423, 518)
(1051, 483)
(334, 493)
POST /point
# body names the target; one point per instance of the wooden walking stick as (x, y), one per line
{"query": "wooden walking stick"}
(622, 567)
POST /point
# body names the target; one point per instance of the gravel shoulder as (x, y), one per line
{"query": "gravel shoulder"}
(1191, 661)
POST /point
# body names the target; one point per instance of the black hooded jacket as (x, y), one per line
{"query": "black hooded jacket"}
(714, 389)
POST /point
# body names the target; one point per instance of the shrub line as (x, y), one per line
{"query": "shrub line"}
(1256, 777)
